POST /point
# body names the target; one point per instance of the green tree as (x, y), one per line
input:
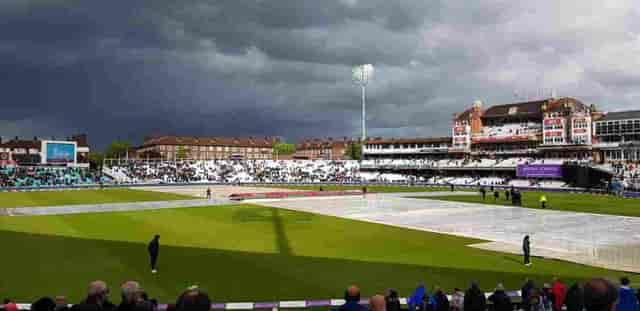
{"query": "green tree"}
(354, 151)
(284, 148)
(118, 148)
(96, 159)
(182, 153)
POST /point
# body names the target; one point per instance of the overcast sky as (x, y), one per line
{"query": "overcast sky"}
(129, 68)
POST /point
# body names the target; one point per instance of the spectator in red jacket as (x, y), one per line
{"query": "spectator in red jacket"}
(559, 291)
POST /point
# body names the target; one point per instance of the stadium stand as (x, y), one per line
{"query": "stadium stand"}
(47, 176)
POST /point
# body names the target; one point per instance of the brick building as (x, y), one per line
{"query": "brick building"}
(207, 148)
(327, 149)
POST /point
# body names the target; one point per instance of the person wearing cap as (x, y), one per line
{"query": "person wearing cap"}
(154, 250)
(500, 300)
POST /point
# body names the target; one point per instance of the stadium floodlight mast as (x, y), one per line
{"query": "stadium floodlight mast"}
(361, 75)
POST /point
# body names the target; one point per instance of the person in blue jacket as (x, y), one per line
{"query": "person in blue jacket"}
(628, 300)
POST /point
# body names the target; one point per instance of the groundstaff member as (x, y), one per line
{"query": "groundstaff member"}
(154, 249)
(526, 249)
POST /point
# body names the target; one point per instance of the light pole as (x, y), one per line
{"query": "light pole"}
(361, 75)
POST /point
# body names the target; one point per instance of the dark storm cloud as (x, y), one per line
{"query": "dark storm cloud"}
(126, 69)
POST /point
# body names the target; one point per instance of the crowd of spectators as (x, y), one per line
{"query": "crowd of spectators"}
(47, 176)
(273, 171)
(224, 171)
(594, 295)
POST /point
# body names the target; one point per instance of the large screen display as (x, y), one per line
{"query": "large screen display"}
(60, 153)
(539, 171)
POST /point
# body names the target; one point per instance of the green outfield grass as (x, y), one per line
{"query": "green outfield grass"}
(70, 197)
(574, 202)
(372, 189)
(245, 252)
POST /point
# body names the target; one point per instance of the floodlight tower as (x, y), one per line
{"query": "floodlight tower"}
(361, 75)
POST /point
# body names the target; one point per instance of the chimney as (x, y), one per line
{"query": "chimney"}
(476, 118)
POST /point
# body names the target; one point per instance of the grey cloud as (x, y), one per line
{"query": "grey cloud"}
(244, 67)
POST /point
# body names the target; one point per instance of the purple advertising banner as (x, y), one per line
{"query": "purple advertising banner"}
(539, 171)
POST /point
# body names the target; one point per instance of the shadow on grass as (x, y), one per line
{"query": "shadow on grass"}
(35, 265)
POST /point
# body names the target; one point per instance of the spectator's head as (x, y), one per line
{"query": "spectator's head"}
(390, 294)
(97, 292)
(129, 291)
(193, 300)
(624, 281)
(352, 293)
(474, 286)
(377, 303)
(61, 303)
(600, 295)
(157, 236)
(10, 305)
(61, 300)
(43, 304)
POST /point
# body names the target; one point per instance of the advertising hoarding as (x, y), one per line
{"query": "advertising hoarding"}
(539, 170)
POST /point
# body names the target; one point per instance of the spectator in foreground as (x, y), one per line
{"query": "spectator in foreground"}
(377, 303)
(474, 299)
(10, 305)
(600, 295)
(628, 300)
(392, 300)
(352, 298)
(575, 298)
(547, 297)
(129, 292)
(500, 300)
(457, 300)
(193, 299)
(43, 304)
(61, 303)
(442, 302)
(525, 293)
(559, 291)
(97, 298)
